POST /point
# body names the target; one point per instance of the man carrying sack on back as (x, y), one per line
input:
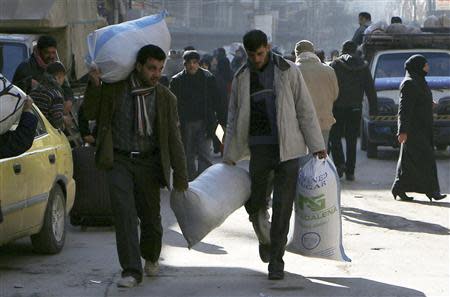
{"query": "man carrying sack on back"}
(138, 142)
(272, 119)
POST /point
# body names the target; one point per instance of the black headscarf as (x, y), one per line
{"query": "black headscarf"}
(414, 65)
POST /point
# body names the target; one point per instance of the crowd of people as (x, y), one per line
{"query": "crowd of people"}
(274, 110)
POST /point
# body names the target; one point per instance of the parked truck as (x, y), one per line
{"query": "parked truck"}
(386, 54)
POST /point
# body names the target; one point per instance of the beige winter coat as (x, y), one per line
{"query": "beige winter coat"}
(322, 85)
(298, 127)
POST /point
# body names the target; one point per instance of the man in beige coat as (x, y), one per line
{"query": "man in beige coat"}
(271, 118)
(322, 84)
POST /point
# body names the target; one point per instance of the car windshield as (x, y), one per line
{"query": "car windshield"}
(11, 55)
(392, 65)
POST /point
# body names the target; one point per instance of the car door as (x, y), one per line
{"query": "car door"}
(12, 197)
(39, 170)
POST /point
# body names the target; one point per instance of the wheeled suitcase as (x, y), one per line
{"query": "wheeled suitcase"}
(92, 206)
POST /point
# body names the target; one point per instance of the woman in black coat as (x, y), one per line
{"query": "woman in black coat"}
(416, 168)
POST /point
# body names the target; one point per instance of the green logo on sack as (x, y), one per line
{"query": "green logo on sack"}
(316, 203)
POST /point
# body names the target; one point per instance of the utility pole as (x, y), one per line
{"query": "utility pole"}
(116, 11)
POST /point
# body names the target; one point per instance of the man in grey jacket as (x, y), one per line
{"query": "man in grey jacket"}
(272, 119)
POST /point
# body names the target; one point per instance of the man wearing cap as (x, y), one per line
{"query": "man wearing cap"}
(321, 82)
(198, 107)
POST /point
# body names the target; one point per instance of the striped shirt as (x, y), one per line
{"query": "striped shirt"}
(50, 101)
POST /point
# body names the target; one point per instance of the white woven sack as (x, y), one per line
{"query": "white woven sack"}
(12, 100)
(113, 49)
(318, 228)
(210, 200)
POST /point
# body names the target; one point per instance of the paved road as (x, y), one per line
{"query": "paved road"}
(397, 249)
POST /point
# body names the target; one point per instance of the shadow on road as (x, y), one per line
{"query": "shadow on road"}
(234, 281)
(175, 239)
(392, 222)
(434, 203)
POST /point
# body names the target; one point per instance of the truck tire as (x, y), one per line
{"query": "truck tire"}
(441, 147)
(372, 150)
(51, 238)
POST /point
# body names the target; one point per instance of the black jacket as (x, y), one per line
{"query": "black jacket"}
(29, 70)
(14, 143)
(354, 79)
(211, 110)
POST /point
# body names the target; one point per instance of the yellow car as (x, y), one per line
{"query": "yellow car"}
(37, 190)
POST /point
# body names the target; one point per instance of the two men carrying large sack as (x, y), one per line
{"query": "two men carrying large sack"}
(272, 119)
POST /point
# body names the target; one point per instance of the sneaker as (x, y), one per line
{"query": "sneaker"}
(151, 268)
(264, 253)
(276, 275)
(127, 282)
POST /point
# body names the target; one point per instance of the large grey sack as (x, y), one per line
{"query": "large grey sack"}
(317, 227)
(210, 200)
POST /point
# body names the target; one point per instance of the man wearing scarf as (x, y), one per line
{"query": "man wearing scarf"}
(138, 142)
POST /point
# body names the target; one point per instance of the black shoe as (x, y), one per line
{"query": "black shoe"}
(276, 275)
(436, 196)
(402, 196)
(350, 176)
(264, 253)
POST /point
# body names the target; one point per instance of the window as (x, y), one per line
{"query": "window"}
(392, 65)
(11, 55)
(40, 129)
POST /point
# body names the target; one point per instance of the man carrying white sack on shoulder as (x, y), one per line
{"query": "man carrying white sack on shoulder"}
(138, 142)
(272, 119)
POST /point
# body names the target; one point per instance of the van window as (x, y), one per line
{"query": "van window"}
(392, 65)
(11, 55)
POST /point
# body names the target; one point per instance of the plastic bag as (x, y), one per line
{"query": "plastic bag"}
(113, 49)
(318, 228)
(12, 100)
(210, 199)
(376, 28)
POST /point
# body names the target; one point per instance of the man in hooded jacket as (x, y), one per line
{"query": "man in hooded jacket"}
(354, 80)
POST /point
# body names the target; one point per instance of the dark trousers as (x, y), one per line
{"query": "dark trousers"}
(267, 173)
(135, 193)
(348, 121)
(197, 146)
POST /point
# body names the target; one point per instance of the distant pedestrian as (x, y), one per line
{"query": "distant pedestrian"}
(334, 55)
(354, 80)
(321, 82)
(416, 169)
(364, 20)
(138, 143)
(321, 55)
(271, 118)
(396, 20)
(198, 107)
(240, 57)
(48, 95)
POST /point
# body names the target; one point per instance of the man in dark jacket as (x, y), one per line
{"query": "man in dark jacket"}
(365, 20)
(138, 142)
(354, 79)
(30, 73)
(14, 143)
(199, 108)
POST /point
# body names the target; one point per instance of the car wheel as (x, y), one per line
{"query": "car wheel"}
(372, 150)
(363, 140)
(50, 240)
(441, 147)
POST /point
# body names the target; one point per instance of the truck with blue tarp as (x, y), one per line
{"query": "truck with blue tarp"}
(386, 55)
